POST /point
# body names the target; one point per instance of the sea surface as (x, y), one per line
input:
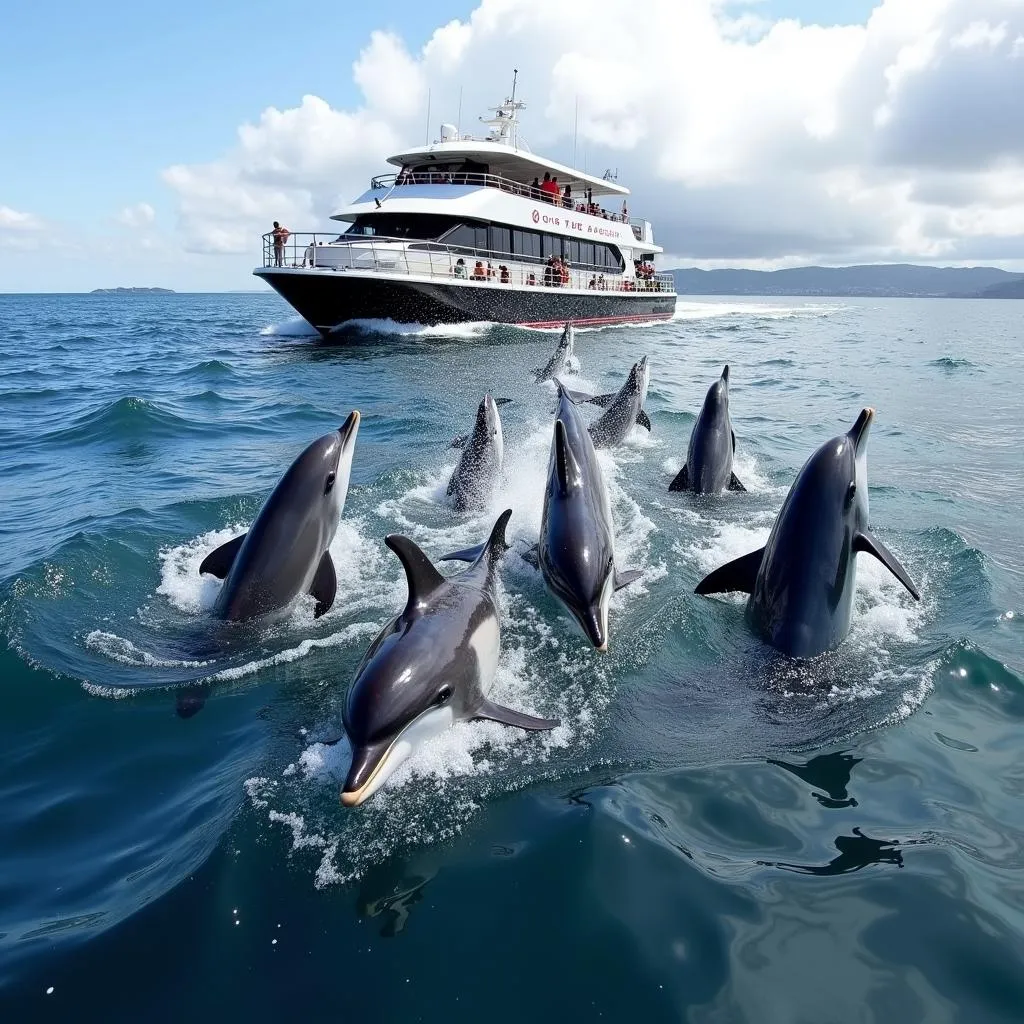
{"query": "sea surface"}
(714, 833)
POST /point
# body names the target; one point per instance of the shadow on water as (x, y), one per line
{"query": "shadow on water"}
(856, 851)
(828, 772)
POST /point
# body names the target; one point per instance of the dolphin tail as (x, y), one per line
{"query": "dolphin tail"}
(602, 400)
(681, 482)
(627, 576)
(497, 542)
(644, 420)
(519, 720)
(324, 586)
(737, 575)
(219, 561)
(868, 542)
(734, 483)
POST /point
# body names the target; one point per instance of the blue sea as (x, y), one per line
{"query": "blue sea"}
(713, 834)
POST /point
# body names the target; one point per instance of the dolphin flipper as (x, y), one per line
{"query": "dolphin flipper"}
(643, 419)
(531, 556)
(506, 716)
(502, 401)
(681, 481)
(324, 586)
(868, 542)
(460, 441)
(219, 561)
(737, 575)
(627, 576)
(734, 483)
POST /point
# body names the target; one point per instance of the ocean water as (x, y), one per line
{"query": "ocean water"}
(713, 833)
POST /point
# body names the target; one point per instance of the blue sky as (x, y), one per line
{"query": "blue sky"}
(98, 100)
(100, 97)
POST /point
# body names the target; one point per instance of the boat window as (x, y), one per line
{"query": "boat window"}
(401, 225)
(501, 239)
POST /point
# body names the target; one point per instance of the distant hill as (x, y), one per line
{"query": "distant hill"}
(1012, 289)
(884, 280)
(132, 291)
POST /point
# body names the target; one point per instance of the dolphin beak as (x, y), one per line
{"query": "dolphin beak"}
(859, 431)
(350, 427)
(725, 373)
(593, 623)
(366, 764)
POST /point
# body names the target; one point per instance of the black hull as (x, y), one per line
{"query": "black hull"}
(327, 299)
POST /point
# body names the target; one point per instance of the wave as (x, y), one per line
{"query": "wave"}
(128, 418)
(295, 327)
(951, 363)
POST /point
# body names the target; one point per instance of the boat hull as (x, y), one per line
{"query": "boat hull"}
(328, 299)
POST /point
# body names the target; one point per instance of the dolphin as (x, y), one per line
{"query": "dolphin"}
(560, 361)
(576, 553)
(479, 470)
(801, 583)
(285, 553)
(429, 667)
(708, 467)
(622, 408)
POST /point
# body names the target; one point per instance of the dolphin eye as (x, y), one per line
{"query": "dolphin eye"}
(329, 485)
(443, 695)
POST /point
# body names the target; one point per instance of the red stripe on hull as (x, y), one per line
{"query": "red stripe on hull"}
(595, 321)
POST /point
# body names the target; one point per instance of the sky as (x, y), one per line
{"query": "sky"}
(152, 144)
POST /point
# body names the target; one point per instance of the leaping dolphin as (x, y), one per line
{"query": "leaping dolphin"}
(285, 553)
(708, 467)
(431, 666)
(479, 470)
(562, 357)
(576, 552)
(622, 408)
(802, 582)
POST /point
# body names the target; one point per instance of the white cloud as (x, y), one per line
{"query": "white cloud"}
(979, 33)
(14, 220)
(141, 215)
(741, 138)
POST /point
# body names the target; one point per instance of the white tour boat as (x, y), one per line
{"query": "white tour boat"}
(476, 229)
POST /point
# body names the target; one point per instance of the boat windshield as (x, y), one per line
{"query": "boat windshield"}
(421, 226)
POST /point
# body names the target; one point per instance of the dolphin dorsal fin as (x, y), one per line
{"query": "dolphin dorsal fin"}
(496, 543)
(421, 576)
(565, 464)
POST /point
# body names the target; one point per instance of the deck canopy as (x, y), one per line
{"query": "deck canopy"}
(506, 162)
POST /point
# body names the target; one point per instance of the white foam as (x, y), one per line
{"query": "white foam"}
(180, 580)
(296, 327)
(690, 310)
(473, 329)
(117, 648)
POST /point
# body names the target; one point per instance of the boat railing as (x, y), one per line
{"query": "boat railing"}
(326, 252)
(576, 204)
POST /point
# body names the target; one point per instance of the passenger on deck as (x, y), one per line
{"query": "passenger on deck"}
(563, 268)
(550, 188)
(535, 189)
(503, 270)
(490, 269)
(593, 281)
(625, 212)
(280, 237)
(459, 269)
(531, 278)
(567, 197)
(479, 274)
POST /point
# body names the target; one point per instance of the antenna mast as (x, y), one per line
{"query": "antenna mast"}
(426, 131)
